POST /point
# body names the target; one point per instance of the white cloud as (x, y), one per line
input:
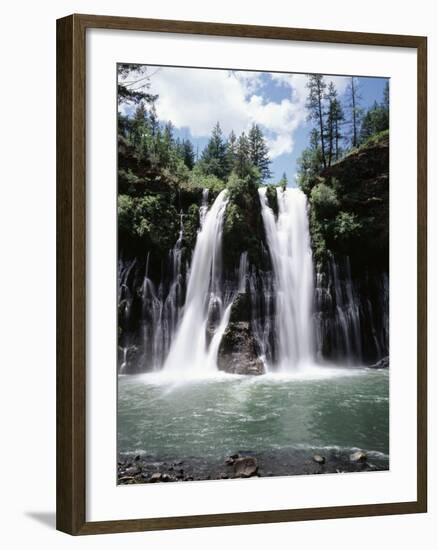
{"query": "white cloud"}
(298, 82)
(198, 98)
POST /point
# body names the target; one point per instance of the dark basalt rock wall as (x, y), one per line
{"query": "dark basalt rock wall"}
(350, 238)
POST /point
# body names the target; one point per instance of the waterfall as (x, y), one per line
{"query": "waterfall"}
(161, 307)
(261, 293)
(204, 207)
(189, 350)
(288, 240)
(352, 313)
(243, 269)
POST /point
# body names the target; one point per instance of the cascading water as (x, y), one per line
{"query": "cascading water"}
(189, 351)
(288, 240)
(262, 301)
(177, 323)
(161, 310)
(352, 313)
(203, 209)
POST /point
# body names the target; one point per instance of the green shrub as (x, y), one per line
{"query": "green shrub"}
(125, 212)
(271, 196)
(197, 179)
(151, 218)
(346, 226)
(324, 200)
(191, 224)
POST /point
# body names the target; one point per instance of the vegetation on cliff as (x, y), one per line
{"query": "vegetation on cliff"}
(344, 173)
(349, 204)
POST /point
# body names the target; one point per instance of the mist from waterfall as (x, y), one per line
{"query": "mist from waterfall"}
(288, 241)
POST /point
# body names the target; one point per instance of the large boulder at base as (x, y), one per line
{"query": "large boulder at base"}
(246, 466)
(241, 308)
(237, 351)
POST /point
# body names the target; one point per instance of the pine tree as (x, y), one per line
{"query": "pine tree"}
(310, 162)
(168, 144)
(375, 120)
(139, 132)
(258, 151)
(315, 106)
(385, 107)
(243, 163)
(356, 111)
(188, 153)
(334, 119)
(385, 102)
(134, 89)
(231, 151)
(214, 156)
(339, 118)
(330, 97)
(153, 119)
(283, 181)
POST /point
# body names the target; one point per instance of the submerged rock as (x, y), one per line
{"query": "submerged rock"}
(246, 466)
(319, 459)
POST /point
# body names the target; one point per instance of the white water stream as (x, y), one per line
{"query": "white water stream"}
(189, 351)
(289, 244)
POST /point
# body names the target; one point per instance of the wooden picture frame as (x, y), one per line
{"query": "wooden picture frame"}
(71, 273)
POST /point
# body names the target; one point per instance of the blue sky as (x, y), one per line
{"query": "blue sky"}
(195, 99)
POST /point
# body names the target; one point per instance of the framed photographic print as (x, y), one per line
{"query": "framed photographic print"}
(241, 288)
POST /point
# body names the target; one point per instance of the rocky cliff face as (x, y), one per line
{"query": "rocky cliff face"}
(349, 225)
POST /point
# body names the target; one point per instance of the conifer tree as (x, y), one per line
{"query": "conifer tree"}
(214, 156)
(315, 105)
(385, 102)
(356, 111)
(231, 151)
(333, 123)
(258, 151)
(132, 83)
(283, 181)
(188, 154)
(243, 163)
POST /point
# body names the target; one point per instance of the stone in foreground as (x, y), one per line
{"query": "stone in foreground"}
(246, 466)
(319, 459)
(155, 477)
(358, 456)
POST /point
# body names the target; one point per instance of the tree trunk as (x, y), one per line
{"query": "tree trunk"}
(353, 103)
(321, 126)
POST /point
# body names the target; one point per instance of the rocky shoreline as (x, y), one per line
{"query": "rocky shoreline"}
(142, 468)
